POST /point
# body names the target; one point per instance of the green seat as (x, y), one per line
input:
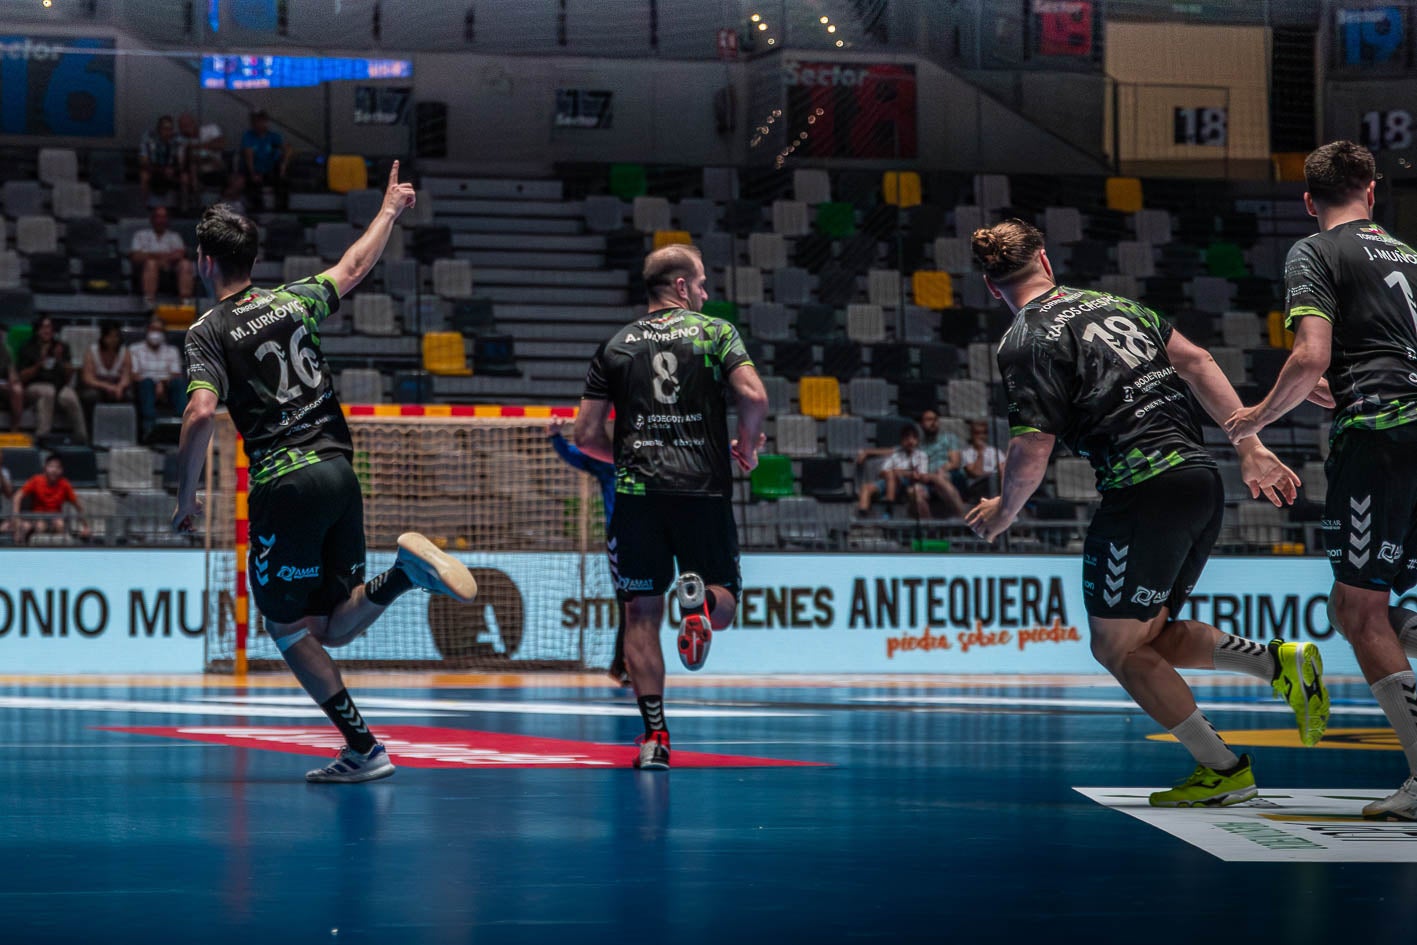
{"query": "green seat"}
(720, 308)
(772, 479)
(628, 181)
(1225, 260)
(837, 220)
(18, 337)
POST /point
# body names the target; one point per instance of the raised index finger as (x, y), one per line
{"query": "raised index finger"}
(394, 174)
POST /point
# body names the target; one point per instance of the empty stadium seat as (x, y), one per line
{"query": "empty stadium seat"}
(332, 239)
(819, 397)
(790, 218)
(604, 214)
(1152, 226)
(473, 317)
(846, 436)
(1135, 258)
(495, 355)
(865, 323)
(991, 191)
(1061, 225)
(23, 198)
(868, 396)
(696, 215)
(791, 286)
(1074, 479)
(890, 361)
(114, 425)
(58, 165)
(811, 186)
(779, 390)
(932, 289)
(445, 354)
(772, 479)
(360, 386)
(767, 321)
(920, 324)
(953, 255)
(795, 435)
(78, 338)
(651, 214)
(628, 181)
(374, 314)
(21, 462)
(362, 206)
(10, 271)
(799, 521)
(901, 188)
(836, 220)
(50, 272)
(721, 183)
(36, 234)
(883, 287)
(1124, 194)
(295, 268)
(792, 359)
(346, 172)
(744, 284)
(80, 466)
(767, 251)
(72, 199)
(452, 278)
(400, 277)
(967, 219)
(130, 469)
(968, 399)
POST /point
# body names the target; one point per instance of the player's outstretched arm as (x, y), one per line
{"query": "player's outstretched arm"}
(1298, 379)
(191, 454)
(752, 398)
(1024, 466)
(358, 261)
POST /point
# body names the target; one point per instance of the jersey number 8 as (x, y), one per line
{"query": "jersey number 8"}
(306, 367)
(1133, 347)
(666, 385)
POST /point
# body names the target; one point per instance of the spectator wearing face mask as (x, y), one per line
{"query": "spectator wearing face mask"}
(157, 375)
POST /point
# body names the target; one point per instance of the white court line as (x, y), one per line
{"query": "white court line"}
(449, 706)
(294, 711)
(1008, 702)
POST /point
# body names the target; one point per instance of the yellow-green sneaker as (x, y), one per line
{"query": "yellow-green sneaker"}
(1299, 681)
(1207, 787)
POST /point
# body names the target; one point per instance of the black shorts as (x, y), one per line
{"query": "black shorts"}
(650, 533)
(1370, 513)
(1148, 543)
(307, 541)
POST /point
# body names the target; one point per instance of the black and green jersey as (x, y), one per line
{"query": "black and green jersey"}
(259, 352)
(1091, 369)
(667, 377)
(1361, 279)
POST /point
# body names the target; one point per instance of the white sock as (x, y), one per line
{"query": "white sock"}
(1397, 695)
(1204, 743)
(1238, 655)
(1404, 622)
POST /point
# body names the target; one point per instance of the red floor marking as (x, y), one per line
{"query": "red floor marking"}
(421, 746)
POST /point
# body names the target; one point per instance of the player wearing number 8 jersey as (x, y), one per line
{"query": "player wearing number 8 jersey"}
(669, 377)
(1114, 381)
(257, 351)
(1350, 303)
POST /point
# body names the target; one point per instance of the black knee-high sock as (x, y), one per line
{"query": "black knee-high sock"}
(652, 711)
(384, 589)
(345, 714)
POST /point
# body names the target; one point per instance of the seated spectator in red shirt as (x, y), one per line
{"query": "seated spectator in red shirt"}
(48, 492)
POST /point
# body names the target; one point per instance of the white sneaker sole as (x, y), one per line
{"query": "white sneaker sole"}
(354, 777)
(435, 570)
(689, 591)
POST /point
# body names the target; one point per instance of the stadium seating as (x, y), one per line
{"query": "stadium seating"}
(346, 173)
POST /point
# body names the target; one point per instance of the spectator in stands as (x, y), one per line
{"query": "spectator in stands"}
(107, 374)
(265, 161)
(45, 372)
(905, 468)
(941, 451)
(10, 385)
(157, 375)
(204, 159)
(160, 161)
(978, 467)
(48, 492)
(159, 252)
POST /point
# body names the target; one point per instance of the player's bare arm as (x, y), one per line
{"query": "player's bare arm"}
(191, 453)
(1313, 349)
(1262, 470)
(752, 399)
(591, 438)
(1024, 464)
(358, 261)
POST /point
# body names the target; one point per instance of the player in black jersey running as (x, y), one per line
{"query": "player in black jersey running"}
(257, 351)
(669, 377)
(1114, 382)
(1350, 302)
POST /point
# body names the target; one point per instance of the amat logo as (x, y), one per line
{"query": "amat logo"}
(288, 573)
(418, 746)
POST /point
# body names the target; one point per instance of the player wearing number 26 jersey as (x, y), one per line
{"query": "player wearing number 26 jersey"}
(1115, 383)
(258, 351)
(1350, 302)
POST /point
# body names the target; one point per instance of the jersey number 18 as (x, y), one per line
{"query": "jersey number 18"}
(1133, 347)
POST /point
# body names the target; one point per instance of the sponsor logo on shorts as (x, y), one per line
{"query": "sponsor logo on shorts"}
(1390, 552)
(1146, 596)
(634, 584)
(291, 573)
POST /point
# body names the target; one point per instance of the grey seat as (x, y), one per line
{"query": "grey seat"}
(792, 286)
(114, 425)
(23, 198)
(360, 386)
(130, 469)
(696, 215)
(868, 397)
(846, 436)
(796, 435)
(362, 206)
(604, 214)
(332, 239)
(767, 321)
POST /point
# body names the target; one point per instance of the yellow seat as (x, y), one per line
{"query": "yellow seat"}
(902, 188)
(346, 172)
(1288, 165)
(177, 316)
(1279, 336)
(1124, 194)
(445, 354)
(663, 238)
(16, 441)
(819, 397)
(932, 289)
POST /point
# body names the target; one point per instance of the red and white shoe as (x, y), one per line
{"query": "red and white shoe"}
(695, 629)
(654, 752)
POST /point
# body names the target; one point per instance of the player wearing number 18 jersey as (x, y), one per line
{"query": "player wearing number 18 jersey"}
(669, 376)
(257, 351)
(1350, 303)
(1114, 382)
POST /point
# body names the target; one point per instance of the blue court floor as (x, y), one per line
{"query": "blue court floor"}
(938, 811)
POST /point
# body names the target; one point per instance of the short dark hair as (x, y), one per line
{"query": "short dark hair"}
(230, 239)
(910, 429)
(54, 458)
(107, 325)
(666, 265)
(1336, 170)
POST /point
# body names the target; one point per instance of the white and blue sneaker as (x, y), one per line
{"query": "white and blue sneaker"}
(432, 569)
(351, 767)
